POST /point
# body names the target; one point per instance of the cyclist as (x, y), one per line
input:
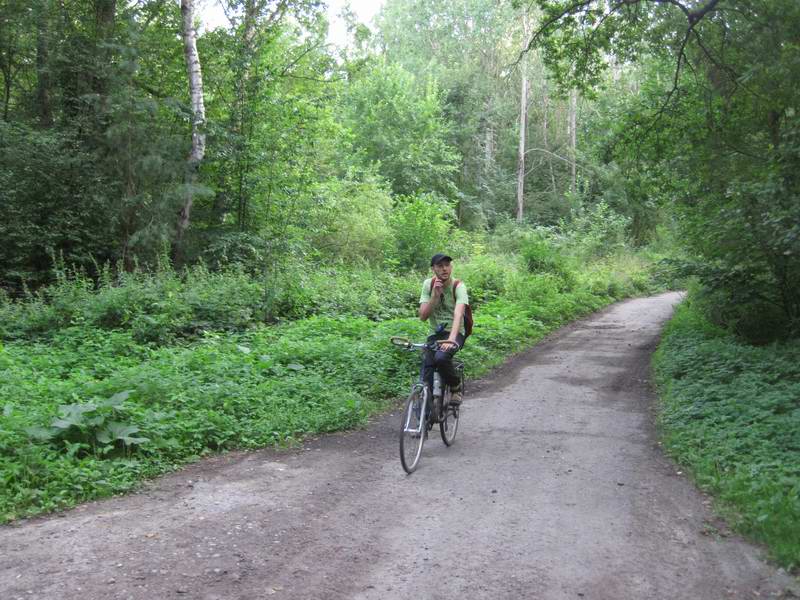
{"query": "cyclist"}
(442, 306)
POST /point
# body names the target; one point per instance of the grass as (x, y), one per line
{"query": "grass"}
(731, 413)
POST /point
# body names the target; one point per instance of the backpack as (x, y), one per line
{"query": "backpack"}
(468, 321)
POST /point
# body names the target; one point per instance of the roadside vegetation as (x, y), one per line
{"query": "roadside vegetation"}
(731, 414)
(104, 386)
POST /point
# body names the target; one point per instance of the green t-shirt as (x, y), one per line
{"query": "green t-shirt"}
(443, 313)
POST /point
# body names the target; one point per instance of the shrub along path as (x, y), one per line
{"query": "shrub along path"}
(555, 488)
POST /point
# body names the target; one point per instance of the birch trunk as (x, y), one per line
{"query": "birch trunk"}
(546, 103)
(523, 124)
(198, 113)
(573, 138)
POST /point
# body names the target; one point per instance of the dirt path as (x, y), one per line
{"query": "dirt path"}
(555, 488)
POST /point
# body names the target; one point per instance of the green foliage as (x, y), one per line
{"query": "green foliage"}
(467, 47)
(736, 298)
(488, 276)
(94, 405)
(730, 413)
(709, 135)
(350, 221)
(90, 427)
(597, 230)
(541, 256)
(165, 307)
(622, 276)
(421, 226)
(49, 204)
(399, 125)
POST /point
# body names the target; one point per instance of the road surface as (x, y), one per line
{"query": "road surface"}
(555, 489)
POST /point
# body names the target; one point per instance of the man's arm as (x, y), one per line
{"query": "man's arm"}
(455, 329)
(426, 308)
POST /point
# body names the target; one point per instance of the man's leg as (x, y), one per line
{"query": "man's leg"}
(443, 360)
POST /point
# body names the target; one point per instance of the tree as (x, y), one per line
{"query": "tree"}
(523, 125)
(472, 48)
(195, 77)
(721, 126)
(467, 47)
(398, 124)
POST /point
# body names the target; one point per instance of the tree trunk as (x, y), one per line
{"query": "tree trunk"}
(7, 57)
(6, 92)
(242, 115)
(546, 106)
(198, 117)
(105, 14)
(488, 133)
(523, 124)
(488, 151)
(573, 139)
(43, 83)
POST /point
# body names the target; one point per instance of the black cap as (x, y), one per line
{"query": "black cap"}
(437, 258)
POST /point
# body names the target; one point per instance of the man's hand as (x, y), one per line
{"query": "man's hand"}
(446, 345)
(437, 295)
(437, 289)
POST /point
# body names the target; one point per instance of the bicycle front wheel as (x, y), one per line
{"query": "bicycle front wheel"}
(413, 430)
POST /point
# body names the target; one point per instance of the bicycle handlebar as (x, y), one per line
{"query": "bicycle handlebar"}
(407, 344)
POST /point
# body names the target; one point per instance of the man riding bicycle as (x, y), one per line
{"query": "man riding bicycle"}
(443, 302)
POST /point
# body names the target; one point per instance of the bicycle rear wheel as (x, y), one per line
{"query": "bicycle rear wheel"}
(448, 426)
(413, 430)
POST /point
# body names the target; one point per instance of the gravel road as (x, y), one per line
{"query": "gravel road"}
(556, 488)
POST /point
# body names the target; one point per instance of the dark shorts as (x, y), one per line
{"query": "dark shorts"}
(443, 360)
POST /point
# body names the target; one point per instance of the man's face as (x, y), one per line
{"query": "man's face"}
(443, 269)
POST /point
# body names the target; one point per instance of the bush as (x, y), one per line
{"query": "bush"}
(162, 307)
(541, 256)
(620, 277)
(486, 276)
(421, 225)
(238, 249)
(55, 200)
(754, 319)
(596, 231)
(350, 221)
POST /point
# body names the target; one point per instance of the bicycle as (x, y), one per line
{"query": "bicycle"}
(427, 404)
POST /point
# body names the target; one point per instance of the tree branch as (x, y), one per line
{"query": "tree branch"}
(554, 155)
(681, 58)
(296, 60)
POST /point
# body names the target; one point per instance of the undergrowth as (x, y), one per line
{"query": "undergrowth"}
(102, 386)
(731, 413)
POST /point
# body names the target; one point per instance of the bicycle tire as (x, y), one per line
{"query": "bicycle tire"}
(413, 429)
(448, 426)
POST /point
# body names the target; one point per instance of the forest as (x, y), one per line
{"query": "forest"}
(209, 233)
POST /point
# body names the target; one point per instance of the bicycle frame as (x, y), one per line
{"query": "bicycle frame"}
(425, 384)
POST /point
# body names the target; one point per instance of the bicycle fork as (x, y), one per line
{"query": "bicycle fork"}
(420, 411)
(438, 395)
